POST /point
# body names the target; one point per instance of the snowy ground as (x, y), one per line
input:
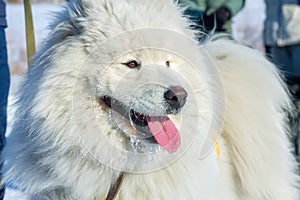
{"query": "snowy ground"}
(247, 29)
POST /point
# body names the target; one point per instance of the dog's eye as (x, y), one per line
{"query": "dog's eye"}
(132, 64)
(168, 63)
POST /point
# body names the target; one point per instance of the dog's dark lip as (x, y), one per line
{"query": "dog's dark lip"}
(139, 121)
(107, 100)
(136, 117)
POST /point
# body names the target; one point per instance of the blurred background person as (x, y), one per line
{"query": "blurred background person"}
(4, 81)
(213, 15)
(281, 38)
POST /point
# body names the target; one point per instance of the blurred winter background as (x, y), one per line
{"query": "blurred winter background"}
(247, 29)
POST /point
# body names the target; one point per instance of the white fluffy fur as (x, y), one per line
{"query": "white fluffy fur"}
(45, 157)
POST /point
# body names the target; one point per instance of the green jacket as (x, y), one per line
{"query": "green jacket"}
(210, 6)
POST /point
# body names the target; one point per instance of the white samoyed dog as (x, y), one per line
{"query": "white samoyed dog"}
(121, 102)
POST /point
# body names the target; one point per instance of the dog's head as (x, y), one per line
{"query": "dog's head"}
(133, 78)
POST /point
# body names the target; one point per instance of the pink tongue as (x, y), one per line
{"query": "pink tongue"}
(164, 132)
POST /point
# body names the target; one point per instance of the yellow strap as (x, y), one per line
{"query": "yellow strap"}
(217, 149)
(30, 42)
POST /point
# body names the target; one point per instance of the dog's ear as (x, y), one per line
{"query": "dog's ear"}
(67, 23)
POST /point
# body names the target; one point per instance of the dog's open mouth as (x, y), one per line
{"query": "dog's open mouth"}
(159, 129)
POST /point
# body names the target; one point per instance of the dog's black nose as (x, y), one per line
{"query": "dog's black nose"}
(176, 97)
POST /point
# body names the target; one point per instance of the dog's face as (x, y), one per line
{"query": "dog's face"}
(141, 90)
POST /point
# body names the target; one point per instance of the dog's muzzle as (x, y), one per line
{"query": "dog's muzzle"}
(154, 128)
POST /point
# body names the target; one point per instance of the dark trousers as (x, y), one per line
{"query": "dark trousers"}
(287, 59)
(4, 88)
